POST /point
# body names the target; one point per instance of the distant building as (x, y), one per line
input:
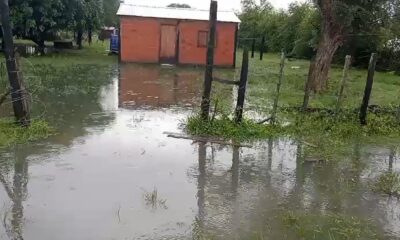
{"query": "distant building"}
(175, 35)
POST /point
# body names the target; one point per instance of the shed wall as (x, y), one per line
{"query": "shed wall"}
(140, 41)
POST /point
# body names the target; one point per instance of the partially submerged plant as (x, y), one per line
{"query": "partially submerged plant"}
(388, 183)
(11, 133)
(152, 199)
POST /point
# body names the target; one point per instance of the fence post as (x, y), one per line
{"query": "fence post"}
(262, 48)
(368, 89)
(242, 87)
(308, 85)
(343, 83)
(18, 92)
(205, 103)
(278, 87)
(253, 47)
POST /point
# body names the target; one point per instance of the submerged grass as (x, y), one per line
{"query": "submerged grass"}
(388, 183)
(11, 133)
(298, 124)
(329, 226)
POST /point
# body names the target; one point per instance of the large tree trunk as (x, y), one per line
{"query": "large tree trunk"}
(18, 92)
(323, 60)
(331, 40)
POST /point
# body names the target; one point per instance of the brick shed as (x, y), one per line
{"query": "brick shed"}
(175, 35)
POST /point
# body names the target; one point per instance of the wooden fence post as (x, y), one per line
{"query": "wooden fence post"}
(278, 87)
(368, 89)
(253, 47)
(343, 83)
(262, 49)
(308, 85)
(18, 92)
(242, 87)
(208, 78)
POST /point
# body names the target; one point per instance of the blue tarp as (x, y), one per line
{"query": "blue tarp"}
(114, 43)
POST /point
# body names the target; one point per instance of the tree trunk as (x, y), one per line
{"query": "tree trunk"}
(79, 38)
(323, 60)
(18, 92)
(90, 36)
(331, 39)
(41, 46)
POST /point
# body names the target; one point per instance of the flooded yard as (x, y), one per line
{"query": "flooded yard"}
(111, 172)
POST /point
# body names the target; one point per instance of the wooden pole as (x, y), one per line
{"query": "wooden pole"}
(368, 89)
(18, 93)
(205, 103)
(343, 83)
(242, 87)
(308, 85)
(262, 50)
(253, 48)
(278, 88)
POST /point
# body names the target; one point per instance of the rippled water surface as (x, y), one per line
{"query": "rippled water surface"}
(112, 172)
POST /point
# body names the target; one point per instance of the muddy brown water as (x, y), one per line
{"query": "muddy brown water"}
(112, 173)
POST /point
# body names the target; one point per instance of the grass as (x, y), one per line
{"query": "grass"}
(264, 74)
(154, 201)
(324, 129)
(94, 54)
(328, 226)
(11, 133)
(388, 183)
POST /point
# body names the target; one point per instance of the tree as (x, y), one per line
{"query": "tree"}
(179, 5)
(87, 16)
(338, 19)
(110, 12)
(38, 20)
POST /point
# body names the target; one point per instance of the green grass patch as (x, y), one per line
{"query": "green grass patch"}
(11, 133)
(329, 226)
(388, 183)
(324, 134)
(226, 128)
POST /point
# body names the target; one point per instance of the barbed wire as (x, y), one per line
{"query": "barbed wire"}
(27, 94)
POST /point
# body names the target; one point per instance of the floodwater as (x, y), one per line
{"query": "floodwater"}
(112, 172)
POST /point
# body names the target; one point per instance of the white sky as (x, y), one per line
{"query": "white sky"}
(204, 4)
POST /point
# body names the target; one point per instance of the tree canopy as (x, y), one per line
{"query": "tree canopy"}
(41, 20)
(356, 27)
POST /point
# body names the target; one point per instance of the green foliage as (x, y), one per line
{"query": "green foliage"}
(329, 226)
(110, 9)
(369, 26)
(179, 5)
(11, 133)
(224, 127)
(388, 183)
(43, 20)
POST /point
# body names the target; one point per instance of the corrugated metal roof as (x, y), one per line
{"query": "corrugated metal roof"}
(174, 13)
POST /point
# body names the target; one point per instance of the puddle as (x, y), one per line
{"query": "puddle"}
(112, 173)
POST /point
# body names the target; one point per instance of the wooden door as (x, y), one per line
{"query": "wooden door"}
(168, 44)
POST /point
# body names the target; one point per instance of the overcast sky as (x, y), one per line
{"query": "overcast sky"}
(204, 4)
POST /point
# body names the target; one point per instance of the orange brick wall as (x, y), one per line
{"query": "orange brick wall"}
(190, 53)
(140, 41)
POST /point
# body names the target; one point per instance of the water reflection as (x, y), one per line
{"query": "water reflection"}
(16, 188)
(155, 87)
